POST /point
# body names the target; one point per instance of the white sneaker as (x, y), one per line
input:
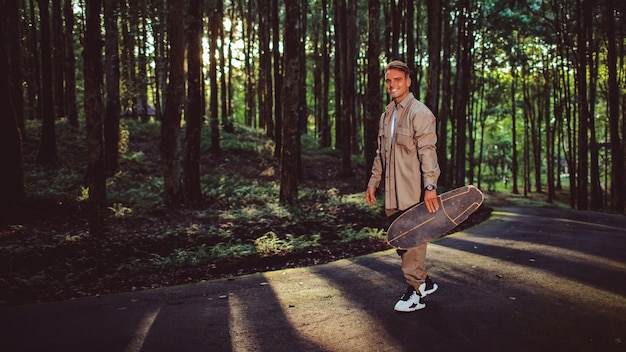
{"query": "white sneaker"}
(428, 287)
(410, 301)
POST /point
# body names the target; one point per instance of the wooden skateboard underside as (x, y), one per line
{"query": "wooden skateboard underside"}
(417, 226)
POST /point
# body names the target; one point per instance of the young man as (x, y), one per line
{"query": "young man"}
(406, 159)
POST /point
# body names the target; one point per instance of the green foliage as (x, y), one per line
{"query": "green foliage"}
(366, 233)
(240, 218)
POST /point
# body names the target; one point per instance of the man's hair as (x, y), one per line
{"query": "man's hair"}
(399, 65)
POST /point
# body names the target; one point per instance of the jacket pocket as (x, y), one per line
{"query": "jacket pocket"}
(404, 138)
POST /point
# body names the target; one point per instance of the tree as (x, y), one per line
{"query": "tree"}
(112, 72)
(12, 180)
(584, 16)
(70, 65)
(264, 87)
(214, 20)
(291, 91)
(170, 126)
(58, 57)
(344, 85)
(278, 79)
(193, 112)
(617, 160)
(47, 146)
(434, 8)
(461, 93)
(94, 111)
(373, 104)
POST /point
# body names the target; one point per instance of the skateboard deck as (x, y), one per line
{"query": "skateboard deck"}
(417, 226)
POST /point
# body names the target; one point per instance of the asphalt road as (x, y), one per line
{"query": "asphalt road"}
(527, 279)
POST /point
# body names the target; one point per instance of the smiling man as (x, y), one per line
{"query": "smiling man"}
(406, 163)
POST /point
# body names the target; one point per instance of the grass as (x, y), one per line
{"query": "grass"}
(48, 253)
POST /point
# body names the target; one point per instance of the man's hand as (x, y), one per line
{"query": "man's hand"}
(370, 195)
(430, 199)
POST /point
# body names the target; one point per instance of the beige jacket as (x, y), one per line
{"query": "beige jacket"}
(411, 159)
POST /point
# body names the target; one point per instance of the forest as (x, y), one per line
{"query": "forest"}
(119, 109)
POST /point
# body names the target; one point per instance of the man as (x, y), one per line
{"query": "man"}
(406, 159)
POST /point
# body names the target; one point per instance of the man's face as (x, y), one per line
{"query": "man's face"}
(397, 84)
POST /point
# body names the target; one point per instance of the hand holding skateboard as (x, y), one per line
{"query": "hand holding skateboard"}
(424, 222)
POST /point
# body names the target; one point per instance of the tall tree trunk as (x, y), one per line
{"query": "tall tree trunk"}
(58, 56)
(94, 111)
(214, 19)
(461, 96)
(446, 97)
(291, 134)
(47, 146)
(278, 80)
(70, 66)
(515, 158)
(264, 95)
(142, 60)
(193, 115)
(112, 72)
(584, 13)
(224, 91)
(346, 91)
(14, 57)
(617, 153)
(34, 78)
(547, 116)
(170, 126)
(12, 179)
(433, 33)
(373, 105)
(325, 130)
(159, 27)
(128, 58)
(594, 167)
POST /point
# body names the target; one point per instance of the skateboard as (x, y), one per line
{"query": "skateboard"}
(417, 226)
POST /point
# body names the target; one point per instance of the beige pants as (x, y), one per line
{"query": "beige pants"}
(413, 265)
(413, 260)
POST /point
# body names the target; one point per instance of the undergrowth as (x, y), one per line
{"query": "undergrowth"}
(47, 251)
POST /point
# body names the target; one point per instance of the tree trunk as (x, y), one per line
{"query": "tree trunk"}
(224, 91)
(47, 146)
(373, 105)
(94, 111)
(112, 72)
(617, 153)
(12, 179)
(70, 66)
(291, 92)
(14, 55)
(264, 89)
(278, 79)
(34, 77)
(446, 98)
(594, 167)
(170, 126)
(462, 90)
(214, 19)
(128, 60)
(346, 91)
(58, 56)
(142, 60)
(514, 161)
(433, 33)
(582, 193)
(325, 130)
(193, 115)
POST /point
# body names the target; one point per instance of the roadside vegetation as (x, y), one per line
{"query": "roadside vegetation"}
(47, 252)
